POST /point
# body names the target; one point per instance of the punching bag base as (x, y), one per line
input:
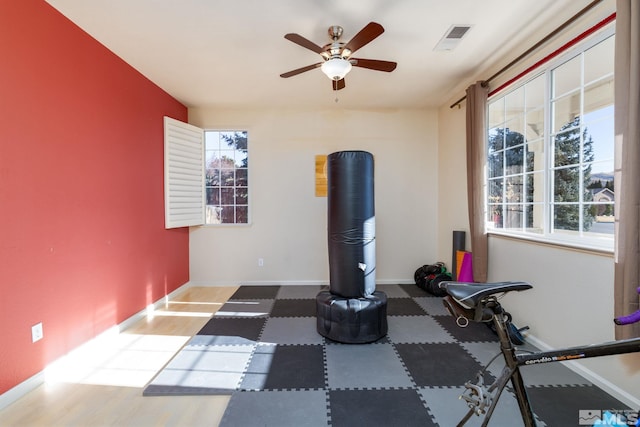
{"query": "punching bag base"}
(352, 320)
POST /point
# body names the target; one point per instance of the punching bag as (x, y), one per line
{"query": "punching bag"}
(351, 224)
(351, 311)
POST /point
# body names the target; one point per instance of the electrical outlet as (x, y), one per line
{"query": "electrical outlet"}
(36, 332)
(260, 262)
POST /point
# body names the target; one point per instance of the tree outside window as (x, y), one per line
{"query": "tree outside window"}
(226, 177)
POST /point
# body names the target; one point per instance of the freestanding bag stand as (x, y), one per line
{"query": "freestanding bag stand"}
(352, 311)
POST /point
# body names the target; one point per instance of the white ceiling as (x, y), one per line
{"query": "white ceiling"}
(231, 53)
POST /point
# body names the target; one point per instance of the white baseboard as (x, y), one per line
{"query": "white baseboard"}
(588, 374)
(15, 393)
(30, 384)
(213, 283)
(396, 282)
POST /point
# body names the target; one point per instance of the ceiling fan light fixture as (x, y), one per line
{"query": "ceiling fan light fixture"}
(336, 68)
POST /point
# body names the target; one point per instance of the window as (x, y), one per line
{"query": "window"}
(226, 177)
(206, 175)
(550, 151)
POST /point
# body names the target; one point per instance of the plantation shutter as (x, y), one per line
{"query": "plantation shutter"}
(184, 186)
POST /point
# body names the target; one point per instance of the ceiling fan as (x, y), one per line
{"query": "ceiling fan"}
(336, 55)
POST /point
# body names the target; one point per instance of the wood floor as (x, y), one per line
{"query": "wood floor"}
(100, 384)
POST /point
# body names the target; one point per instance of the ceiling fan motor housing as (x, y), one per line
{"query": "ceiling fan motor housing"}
(335, 32)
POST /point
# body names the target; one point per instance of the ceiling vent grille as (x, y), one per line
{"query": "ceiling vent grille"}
(452, 37)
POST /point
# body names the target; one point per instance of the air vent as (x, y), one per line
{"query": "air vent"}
(452, 37)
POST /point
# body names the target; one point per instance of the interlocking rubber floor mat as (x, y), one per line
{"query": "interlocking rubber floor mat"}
(263, 349)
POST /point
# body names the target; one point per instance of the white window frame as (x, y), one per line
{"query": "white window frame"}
(587, 241)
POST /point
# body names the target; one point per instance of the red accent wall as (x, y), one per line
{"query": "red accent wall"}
(82, 239)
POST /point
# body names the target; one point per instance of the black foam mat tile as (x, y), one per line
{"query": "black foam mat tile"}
(351, 408)
(404, 307)
(438, 364)
(294, 308)
(255, 292)
(286, 367)
(248, 328)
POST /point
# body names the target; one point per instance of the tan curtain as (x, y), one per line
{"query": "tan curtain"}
(627, 173)
(476, 157)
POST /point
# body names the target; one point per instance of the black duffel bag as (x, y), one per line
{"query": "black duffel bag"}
(429, 276)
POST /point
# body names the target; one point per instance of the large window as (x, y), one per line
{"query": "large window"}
(226, 177)
(550, 151)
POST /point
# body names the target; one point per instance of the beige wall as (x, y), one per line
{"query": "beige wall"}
(452, 175)
(571, 304)
(572, 299)
(289, 224)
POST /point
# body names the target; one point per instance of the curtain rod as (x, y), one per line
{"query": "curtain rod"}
(535, 46)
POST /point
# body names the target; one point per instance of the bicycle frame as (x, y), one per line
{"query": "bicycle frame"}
(480, 400)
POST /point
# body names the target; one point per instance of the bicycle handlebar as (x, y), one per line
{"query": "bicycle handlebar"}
(629, 319)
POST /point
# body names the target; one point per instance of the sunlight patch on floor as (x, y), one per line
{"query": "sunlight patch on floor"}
(219, 304)
(126, 360)
(164, 313)
(133, 357)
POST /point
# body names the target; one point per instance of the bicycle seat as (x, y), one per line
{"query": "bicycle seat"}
(469, 294)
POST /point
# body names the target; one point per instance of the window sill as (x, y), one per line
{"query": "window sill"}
(605, 250)
(224, 225)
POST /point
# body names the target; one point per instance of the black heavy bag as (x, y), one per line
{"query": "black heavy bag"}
(351, 224)
(352, 311)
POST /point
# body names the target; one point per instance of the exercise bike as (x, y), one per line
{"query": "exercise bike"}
(478, 302)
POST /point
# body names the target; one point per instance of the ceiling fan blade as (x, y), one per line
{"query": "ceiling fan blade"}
(373, 64)
(300, 70)
(337, 84)
(299, 40)
(366, 35)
